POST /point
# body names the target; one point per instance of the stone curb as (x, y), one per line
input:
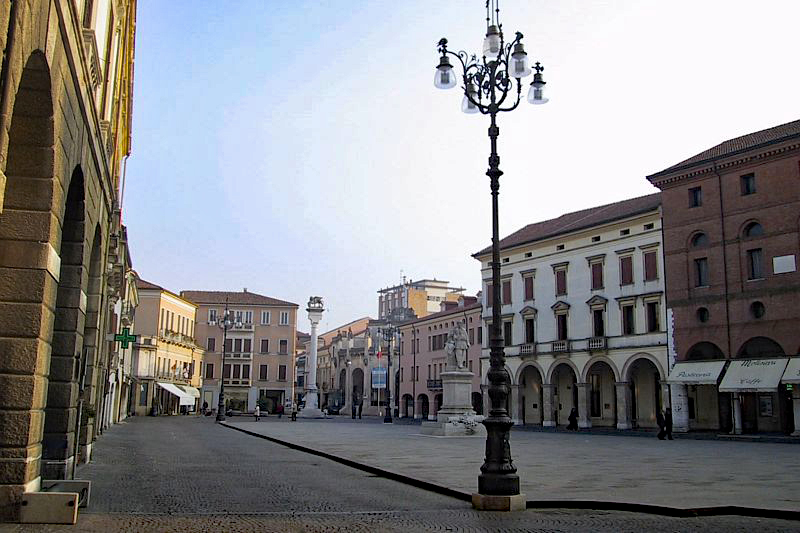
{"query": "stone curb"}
(597, 505)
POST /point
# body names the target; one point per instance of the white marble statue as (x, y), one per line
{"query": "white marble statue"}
(456, 347)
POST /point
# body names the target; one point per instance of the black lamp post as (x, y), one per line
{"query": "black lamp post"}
(388, 334)
(487, 82)
(225, 323)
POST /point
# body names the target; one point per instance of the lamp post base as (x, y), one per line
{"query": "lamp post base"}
(490, 502)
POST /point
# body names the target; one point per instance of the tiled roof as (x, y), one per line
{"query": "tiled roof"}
(739, 144)
(142, 284)
(236, 298)
(579, 220)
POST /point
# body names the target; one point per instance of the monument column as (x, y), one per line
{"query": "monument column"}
(547, 406)
(584, 421)
(623, 403)
(311, 410)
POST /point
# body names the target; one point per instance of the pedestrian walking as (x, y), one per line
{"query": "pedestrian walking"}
(294, 412)
(257, 413)
(662, 425)
(279, 410)
(668, 423)
(205, 407)
(573, 420)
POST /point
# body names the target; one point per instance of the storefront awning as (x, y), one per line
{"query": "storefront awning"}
(184, 398)
(753, 375)
(696, 372)
(792, 372)
(191, 391)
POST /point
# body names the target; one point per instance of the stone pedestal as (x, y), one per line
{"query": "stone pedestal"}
(456, 417)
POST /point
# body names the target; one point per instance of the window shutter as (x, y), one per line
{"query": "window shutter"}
(529, 288)
(597, 276)
(506, 292)
(626, 270)
(650, 266)
(561, 282)
(489, 294)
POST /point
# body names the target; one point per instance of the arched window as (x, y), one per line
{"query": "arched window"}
(703, 351)
(753, 229)
(699, 240)
(760, 347)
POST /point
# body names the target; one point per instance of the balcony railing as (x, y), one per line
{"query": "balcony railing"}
(560, 346)
(239, 355)
(434, 384)
(247, 326)
(597, 343)
(527, 349)
(237, 382)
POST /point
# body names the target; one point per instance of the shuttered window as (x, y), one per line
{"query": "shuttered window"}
(506, 292)
(529, 288)
(489, 294)
(561, 282)
(626, 270)
(597, 276)
(650, 266)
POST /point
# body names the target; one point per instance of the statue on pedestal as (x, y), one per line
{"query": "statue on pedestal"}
(456, 348)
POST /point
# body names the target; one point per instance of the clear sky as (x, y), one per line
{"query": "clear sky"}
(300, 148)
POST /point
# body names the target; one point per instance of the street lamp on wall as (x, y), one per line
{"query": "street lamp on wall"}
(487, 83)
(225, 323)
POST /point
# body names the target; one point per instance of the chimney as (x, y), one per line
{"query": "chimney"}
(245, 289)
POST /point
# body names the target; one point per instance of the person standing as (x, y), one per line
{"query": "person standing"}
(668, 423)
(257, 413)
(573, 420)
(662, 431)
(279, 410)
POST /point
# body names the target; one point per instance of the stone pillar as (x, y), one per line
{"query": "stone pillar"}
(348, 387)
(584, 420)
(796, 404)
(679, 400)
(623, 405)
(737, 414)
(548, 399)
(311, 410)
(514, 400)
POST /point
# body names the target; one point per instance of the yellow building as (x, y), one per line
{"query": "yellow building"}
(167, 359)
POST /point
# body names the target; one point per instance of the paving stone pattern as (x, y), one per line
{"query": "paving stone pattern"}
(188, 474)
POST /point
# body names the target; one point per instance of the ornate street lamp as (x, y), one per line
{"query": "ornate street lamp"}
(487, 82)
(225, 323)
(388, 333)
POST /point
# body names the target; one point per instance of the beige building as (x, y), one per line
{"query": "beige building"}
(259, 350)
(423, 297)
(167, 359)
(66, 85)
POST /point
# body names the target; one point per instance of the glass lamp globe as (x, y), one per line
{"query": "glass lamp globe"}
(445, 77)
(536, 92)
(519, 62)
(491, 43)
(468, 106)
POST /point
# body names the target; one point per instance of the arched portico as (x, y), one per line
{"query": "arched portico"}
(564, 381)
(600, 378)
(529, 380)
(407, 406)
(423, 407)
(645, 377)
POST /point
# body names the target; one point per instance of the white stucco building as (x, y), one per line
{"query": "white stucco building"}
(584, 319)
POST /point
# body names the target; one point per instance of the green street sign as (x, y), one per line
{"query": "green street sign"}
(125, 338)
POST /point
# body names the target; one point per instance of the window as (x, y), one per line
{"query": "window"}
(283, 347)
(245, 371)
(143, 387)
(650, 266)
(748, 182)
(301, 381)
(561, 282)
(507, 337)
(624, 232)
(529, 331)
(507, 292)
(506, 259)
(597, 276)
(265, 316)
(471, 336)
(264, 346)
(596, 238)
(284, 318)
(699, 240)
(695, 197)
(480, 335)
(626, 270)
(757, 309)
(228, 345)
(753, 229)
(528, 254)
(429, 371)
(248, 317)
(528, 282)
(648, 226)
(561, 327)
(263, 372)
(702, 314)
(754, 264)
(282, 373)
(247, 345)
(628, 326)
(598, 323)
(652, 317)
(237, 345)
(237, 371)
(559, 247)
(211, 344)
(212, 316)
(489, 295)
(226, 371)
(701, 272)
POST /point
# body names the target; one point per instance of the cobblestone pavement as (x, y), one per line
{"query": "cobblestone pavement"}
(683, 473)
(188, 474)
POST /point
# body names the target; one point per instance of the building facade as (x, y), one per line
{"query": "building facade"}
(65, 103)
(422, 357)
(167, 358)
(584, 322)
(259, 349)
(731, 234)
(415, 298)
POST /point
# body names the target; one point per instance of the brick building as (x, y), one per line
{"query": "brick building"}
(731, 217)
